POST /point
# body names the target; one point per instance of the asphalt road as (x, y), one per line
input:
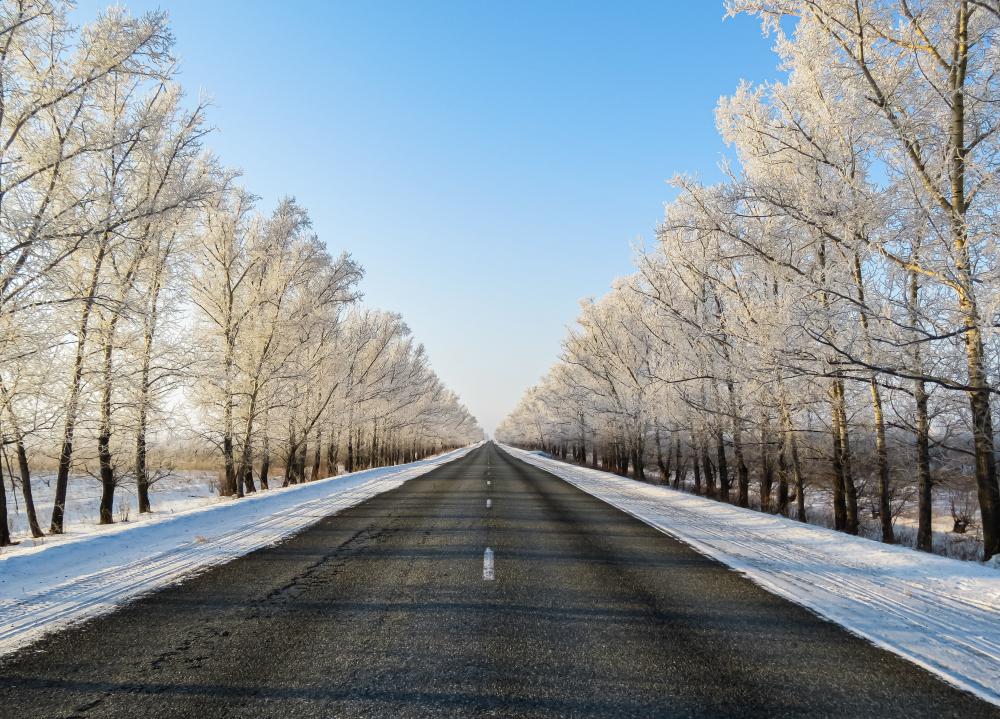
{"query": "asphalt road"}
(383, 611)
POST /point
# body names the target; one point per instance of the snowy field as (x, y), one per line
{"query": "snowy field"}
(968, 546)
(819, 502)
(181, 491)
(940, 613)
(57, 583)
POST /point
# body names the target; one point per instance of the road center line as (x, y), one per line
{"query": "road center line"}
(488, 565)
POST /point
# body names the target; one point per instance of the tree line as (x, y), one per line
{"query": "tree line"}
(825, 317)
(140, 282)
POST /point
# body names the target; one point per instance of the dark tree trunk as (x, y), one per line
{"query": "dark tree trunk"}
(247, 479)
(697, 470)
(662, 464)
(229, 488)
(709, 470)
(290, 467)
(639, 461)
(73, 403)
(679, 469)
(332, 450)
(349, 465)
(5, 539)
(29, 500)
(850, 491)
(839, 501)
(303, 454)
(742, 471)
(882, 466)
(925, 500)
(317, 455)
(766, 469)
(104, 436)
(265, 464)
(796, 466)
(107, 482)
(723, 467)
(782, 481)
(142, 473)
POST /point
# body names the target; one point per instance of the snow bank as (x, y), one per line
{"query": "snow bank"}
(942, 614)
(55, 585)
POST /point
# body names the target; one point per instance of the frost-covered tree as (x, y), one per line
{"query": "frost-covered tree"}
(141, 289)
(829, 308)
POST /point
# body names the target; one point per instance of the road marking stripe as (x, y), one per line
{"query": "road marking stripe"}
(488, 565)
(489, 503)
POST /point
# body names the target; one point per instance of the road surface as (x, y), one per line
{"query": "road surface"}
(386, 610)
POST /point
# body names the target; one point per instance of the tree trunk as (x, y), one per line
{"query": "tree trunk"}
(679, 468)
(766, 468)
(332, 452)
(73, 401)
(850, 491)
(979, 394)
(796, 468)
(697, 470)
(882, 466)
(662, 463)
(142, 471)
(925, 500)
(149, 333)
(742, 471)
(265, 457)
(229, 487)
(23, 469)
(104, 434)
(5, 539)
(782, 480)
(290, 458)
(709, 469)
(723, 467)
(881, 450)
(639, 458)
(317, 454)
(229, 477)
(29, 500)
(925, 535)
(247, 478)
(839, 501)
(349, 465)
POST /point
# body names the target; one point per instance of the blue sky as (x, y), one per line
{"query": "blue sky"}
(488, 163)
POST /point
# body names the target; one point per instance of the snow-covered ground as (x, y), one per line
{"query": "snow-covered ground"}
(182, 490)
(940, 613)
(819, 511)
(53, 584)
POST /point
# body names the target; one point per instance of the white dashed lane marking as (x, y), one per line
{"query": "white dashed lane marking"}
(488, 565)
(489, 503)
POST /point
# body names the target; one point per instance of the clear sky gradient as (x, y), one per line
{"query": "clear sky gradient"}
(488, 163)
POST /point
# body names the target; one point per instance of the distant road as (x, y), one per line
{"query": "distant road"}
(394, 608)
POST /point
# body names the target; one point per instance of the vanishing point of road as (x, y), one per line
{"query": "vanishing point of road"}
(394, 609)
